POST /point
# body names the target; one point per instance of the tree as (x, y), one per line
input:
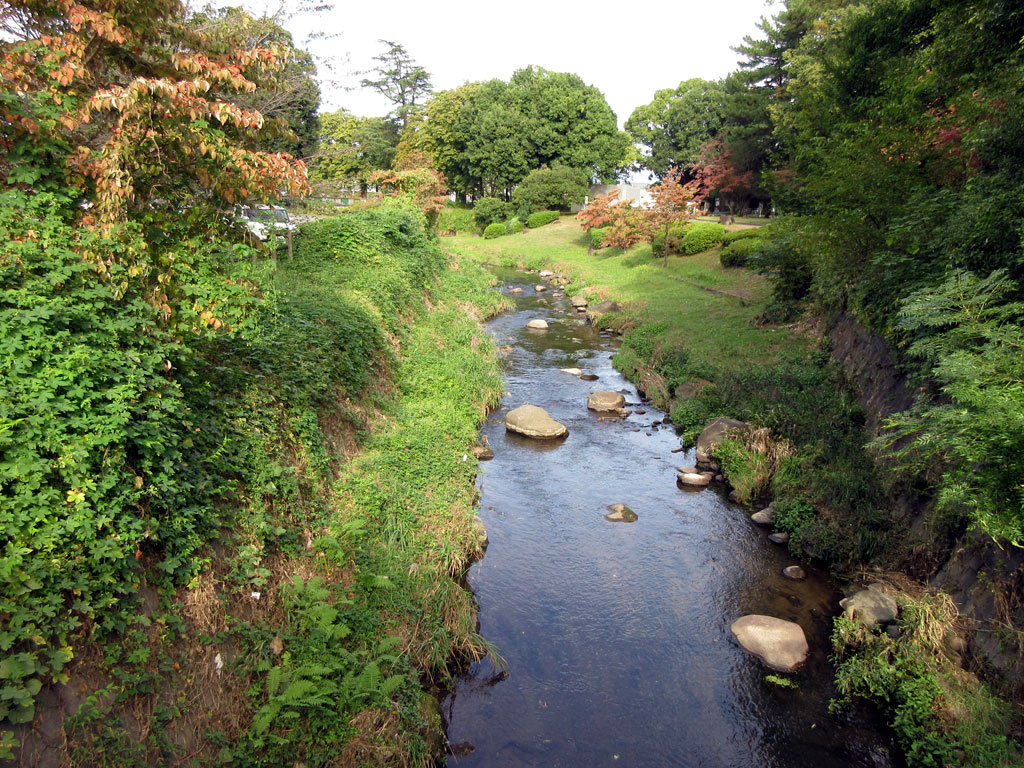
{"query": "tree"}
(672, 201)
(352, 148)
(290, 96)
(676, 124)
(423, 188)
(487, 137)
(716, 174)
(400, 80)
(550, 189)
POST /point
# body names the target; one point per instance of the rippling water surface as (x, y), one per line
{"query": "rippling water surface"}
(617, 635)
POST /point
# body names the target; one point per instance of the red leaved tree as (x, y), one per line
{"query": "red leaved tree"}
(716, 173)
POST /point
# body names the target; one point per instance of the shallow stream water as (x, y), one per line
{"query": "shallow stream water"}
(617, 635)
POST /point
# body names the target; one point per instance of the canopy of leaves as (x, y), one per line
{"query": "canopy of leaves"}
(352, 149)
(676, 124)
(486, 137)
(400, 80)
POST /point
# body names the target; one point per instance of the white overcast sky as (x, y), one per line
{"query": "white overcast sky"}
(627, 50)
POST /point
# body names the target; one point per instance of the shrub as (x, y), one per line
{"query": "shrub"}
(741, 234)
(497, 229)
(786, 256)
(597, 238)
(514, 226)
(701, 236)
(488, 210)
(658, 244)
(540, 218)
(737, 253)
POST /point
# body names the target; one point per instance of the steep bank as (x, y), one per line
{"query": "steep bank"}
(333, 497)
(692, 344)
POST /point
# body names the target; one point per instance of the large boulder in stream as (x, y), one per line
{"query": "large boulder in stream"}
(605, 400)
(533, 421)
(780, 644)
(717, 431)
(538, 324)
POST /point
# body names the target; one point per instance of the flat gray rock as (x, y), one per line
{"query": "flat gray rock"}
(794, 572)
(533, 421)
(780, 644)
(761, 518)
(780, 537)
(715, 432)
(578, 301)
(538, 324)
(572, 371)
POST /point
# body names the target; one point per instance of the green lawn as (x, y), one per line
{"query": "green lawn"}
(707, 310)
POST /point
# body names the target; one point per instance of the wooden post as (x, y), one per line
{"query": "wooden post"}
(291, 253)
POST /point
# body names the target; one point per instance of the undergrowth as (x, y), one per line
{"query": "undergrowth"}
(940, 715)
(335, 494)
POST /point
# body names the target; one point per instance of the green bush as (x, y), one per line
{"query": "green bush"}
(737, 253)
(597, 238)
(540, 218)
(658, 244)
(456, 219)
(515, 226)
(701, 236)
(488, 210)
(741, 234)
(786, 256)
(497, 229)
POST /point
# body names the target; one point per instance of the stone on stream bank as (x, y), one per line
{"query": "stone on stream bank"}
(605, 400)
(780, 644)
(480, 532)
(620, 513)
(572, 371)
(579, 302)
(538, 324)
(871, 606)
(780, 537)
(482, 452)
(532, 421)
(717, 431)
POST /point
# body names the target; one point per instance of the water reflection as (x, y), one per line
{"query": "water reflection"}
(617, 634)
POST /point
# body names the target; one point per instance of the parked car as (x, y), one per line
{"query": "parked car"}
(264, 220)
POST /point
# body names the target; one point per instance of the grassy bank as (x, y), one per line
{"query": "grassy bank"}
(317, 604)
(696, 341)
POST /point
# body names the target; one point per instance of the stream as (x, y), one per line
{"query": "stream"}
(616, 635)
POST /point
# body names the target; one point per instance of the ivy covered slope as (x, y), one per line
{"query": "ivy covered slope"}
(238, 547)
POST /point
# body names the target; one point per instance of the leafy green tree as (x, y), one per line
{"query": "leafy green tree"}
(674, 126)
(400, 80)
(486, 137)
(550, 189)
(352, 148)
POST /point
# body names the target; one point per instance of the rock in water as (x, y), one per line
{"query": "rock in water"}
(540, 288)
(693, 479)
(778, 538)
(871, 607)
(794, 572)
(781, 645)
(605, 400)
(572, 371)
(588, 376)
(538, 324)
(533, 421)
(761, 518)
(578, 301)
(620, 513)
(482, 452)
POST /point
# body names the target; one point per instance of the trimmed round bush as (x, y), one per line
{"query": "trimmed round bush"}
(597, 238)
(514, 226)
(497, 229)
(741, 234)
(737, 253)
(701, 236)
(540, 218)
